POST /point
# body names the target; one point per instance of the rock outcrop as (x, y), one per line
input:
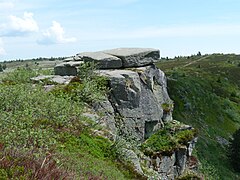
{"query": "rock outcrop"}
(109, 59)
(137, 96)
(137, 106)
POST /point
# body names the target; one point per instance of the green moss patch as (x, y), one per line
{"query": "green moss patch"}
(167, 140)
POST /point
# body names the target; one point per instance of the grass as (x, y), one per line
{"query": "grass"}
(45, 136)
(206, 96)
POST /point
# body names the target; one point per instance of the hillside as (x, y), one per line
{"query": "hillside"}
(45, 135)
(206, 94)
(107, 118)
(48, 130)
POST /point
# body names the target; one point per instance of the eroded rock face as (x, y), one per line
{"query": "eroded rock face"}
(137, 95)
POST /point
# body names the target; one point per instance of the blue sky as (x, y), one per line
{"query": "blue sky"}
(45, 28)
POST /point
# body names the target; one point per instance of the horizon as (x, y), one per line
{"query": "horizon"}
(61, 29)
(64, 57)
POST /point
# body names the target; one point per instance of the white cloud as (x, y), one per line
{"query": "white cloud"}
(5, 5)
(54, 35)
(25, 24)
(2, 50)
(19, 26)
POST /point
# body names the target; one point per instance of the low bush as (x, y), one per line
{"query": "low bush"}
(25, 165)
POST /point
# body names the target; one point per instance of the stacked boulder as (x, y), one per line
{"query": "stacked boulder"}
(138, 89)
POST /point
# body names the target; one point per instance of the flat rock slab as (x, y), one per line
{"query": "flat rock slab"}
(68, 59)
(101, 59)
(55, 79)
(135, 57)
(109, 59)
(70, 63)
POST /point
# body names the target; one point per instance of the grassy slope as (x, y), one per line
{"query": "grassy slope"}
(44, 135)
(206, 93)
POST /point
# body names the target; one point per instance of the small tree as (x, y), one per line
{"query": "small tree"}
(4, 66)
(234, 151)
(1, 68)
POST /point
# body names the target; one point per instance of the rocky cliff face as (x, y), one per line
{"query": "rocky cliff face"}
(137, 107)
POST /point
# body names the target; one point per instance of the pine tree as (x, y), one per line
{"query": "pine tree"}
(234, 151)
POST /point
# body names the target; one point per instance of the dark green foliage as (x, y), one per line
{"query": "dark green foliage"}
(234, 151)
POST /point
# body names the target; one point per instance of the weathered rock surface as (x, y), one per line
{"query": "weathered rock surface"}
(101, 59)
(67, 68)
(108, 115)
(137, 96)
(110, 59)
(55, 79)
(135, 57)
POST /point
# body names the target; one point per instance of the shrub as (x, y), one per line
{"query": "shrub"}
(88, 87)
(234, 151)
(167, 107)
(24, 165)
(190, 175)
(167, 140)
(20, 75)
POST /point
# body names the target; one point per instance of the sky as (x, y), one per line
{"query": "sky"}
(56, 28)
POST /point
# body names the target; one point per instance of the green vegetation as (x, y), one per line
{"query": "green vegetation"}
(88, 87)
(189, 175)
(206, 94)
(168, 139)
(234, 151)
(167, 107)
(2, 67)
(45, 136)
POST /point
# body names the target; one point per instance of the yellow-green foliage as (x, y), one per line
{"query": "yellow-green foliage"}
(167, 106)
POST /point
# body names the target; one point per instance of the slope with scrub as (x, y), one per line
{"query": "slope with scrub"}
(205, 90)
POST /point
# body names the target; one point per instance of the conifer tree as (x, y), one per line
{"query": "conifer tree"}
(234, 151)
